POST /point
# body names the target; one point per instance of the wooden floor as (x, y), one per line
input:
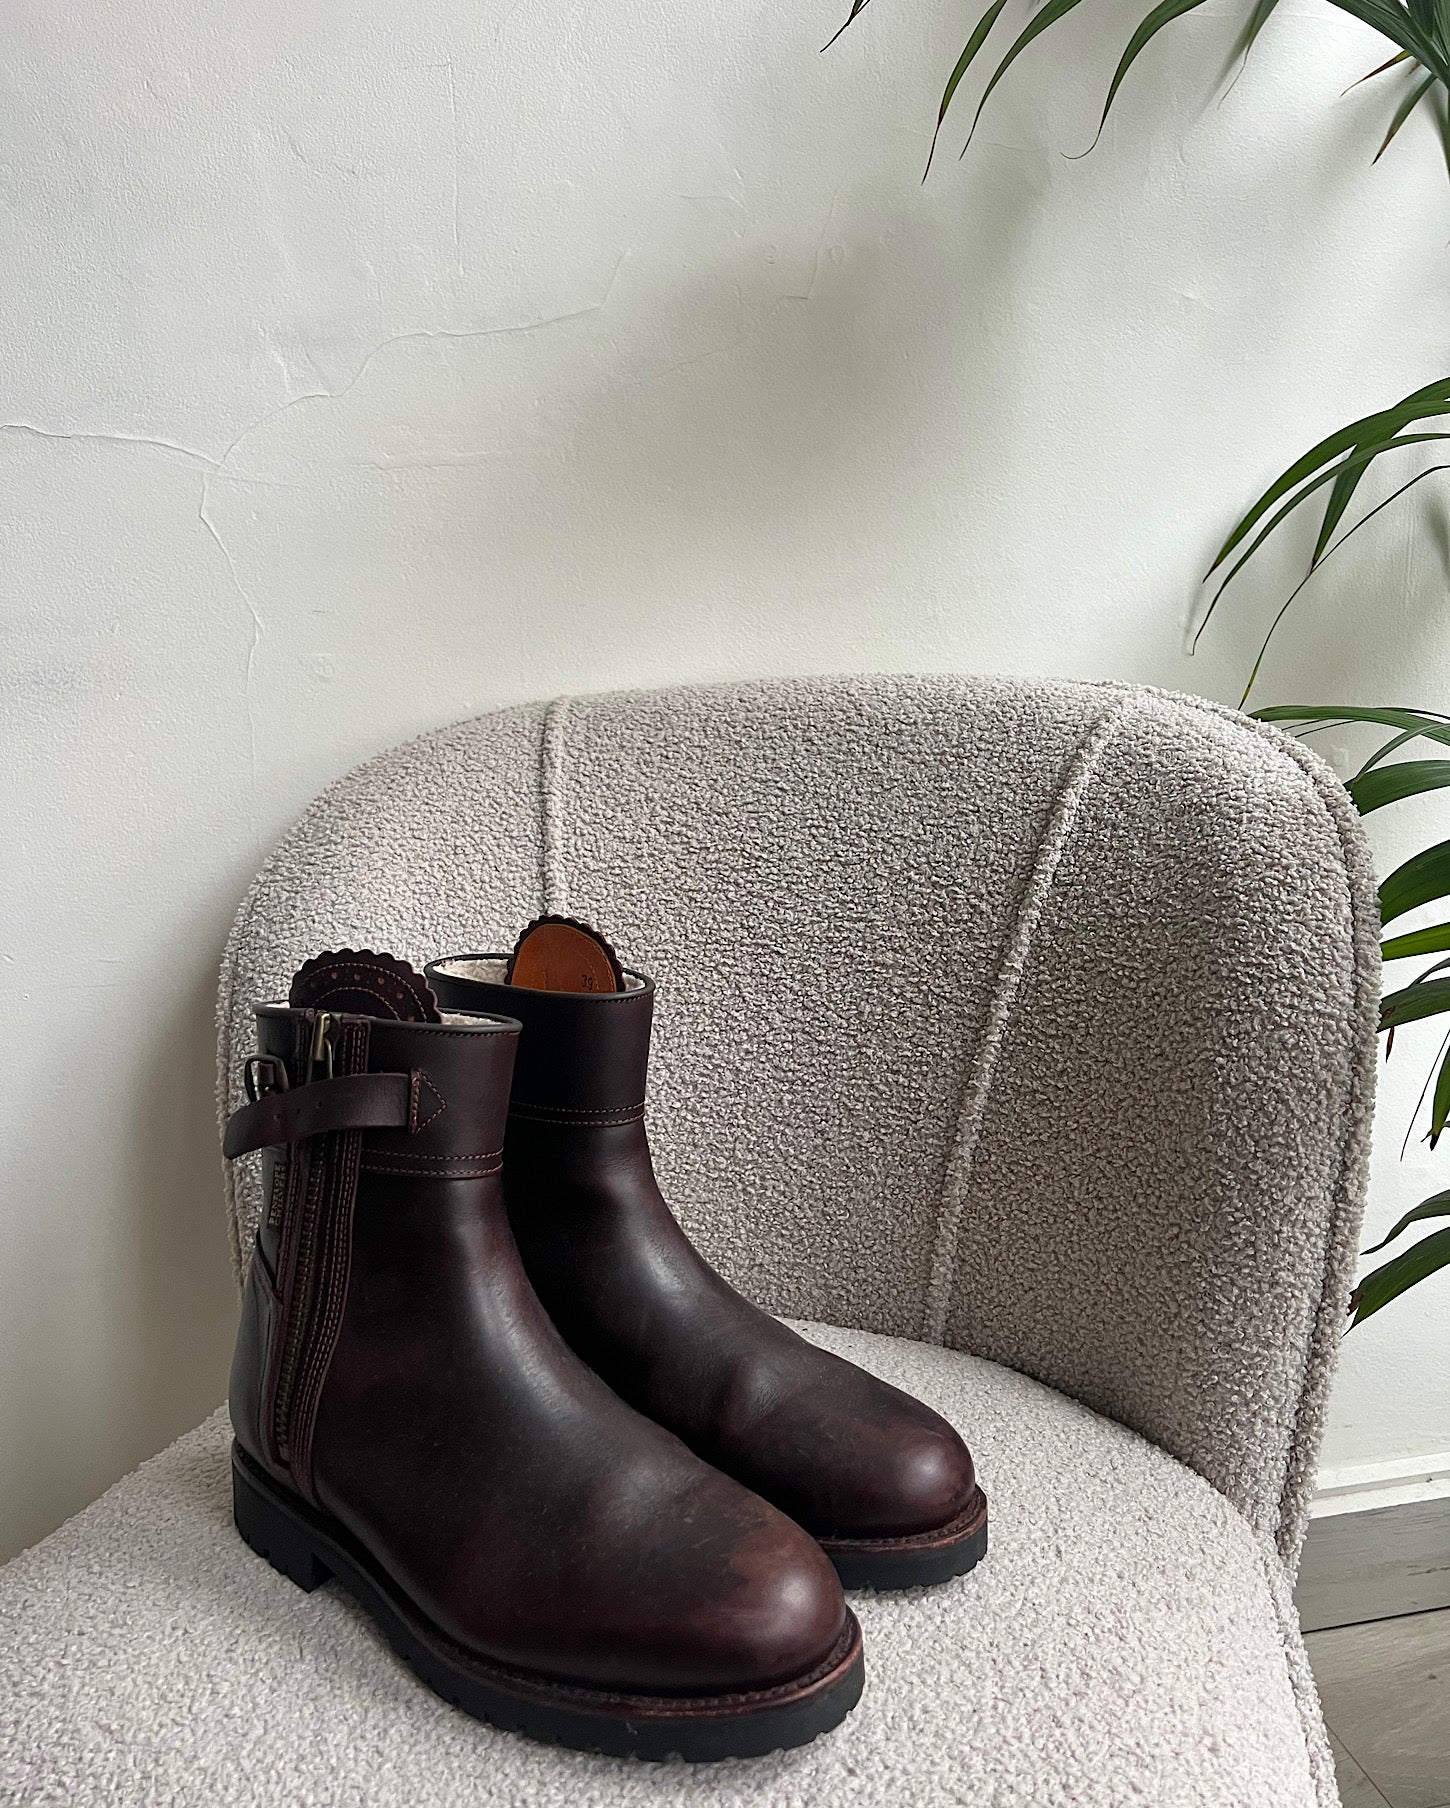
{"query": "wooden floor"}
(1385, 1686)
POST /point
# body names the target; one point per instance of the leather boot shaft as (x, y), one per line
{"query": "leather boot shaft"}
(446, 1088)
(583, 1057)
(410, 1420)
(886, 1485)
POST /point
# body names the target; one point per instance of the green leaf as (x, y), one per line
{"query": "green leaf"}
(1434, 940)
(1393, 745)
(1403, 112)
(1389, 784)
(1423, 724)
(1400, 56)
(1436, 1206)
(1397, 25)
(1345, 475)
(1433, 399)
(1351, 474)
(1258, 19)
(980, 34)
(1440, 1105)
(1397, 1275)
(1427, 722)
(856, 6)
(1423, 878)
(1248, 37)
(1162, 14)
(1442, 114)
(1424, 998)
(1050, 14)
(1349, 534)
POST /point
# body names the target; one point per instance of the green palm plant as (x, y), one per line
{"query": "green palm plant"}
(1422, 879)
(1420, 31)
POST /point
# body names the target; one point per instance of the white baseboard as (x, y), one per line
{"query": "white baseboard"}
(1365, 1487)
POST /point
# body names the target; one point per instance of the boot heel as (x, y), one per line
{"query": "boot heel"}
(273, 1533)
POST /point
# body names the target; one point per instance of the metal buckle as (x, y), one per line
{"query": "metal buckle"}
(259, 1083)
(324, 1044)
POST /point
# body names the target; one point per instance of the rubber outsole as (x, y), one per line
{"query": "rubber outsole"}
(309, 1550)
(918, 1561)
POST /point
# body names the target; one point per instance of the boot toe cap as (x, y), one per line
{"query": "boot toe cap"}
(767, 1612)
(932, 1481)
(900, 1476)
(782, 1620)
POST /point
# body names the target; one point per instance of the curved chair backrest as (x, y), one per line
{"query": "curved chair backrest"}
(1037, 1019)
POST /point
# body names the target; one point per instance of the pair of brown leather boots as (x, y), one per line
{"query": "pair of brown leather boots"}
(483, 1379)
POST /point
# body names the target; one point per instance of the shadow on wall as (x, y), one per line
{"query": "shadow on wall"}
(811, 425)
(154, 1310)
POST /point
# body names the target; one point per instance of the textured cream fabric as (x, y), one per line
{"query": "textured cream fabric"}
(1037, 1019)
(1128, 1640)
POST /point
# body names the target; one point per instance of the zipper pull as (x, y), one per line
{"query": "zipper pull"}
(324, 1044)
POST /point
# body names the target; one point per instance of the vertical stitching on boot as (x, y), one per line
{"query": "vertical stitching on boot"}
(552, 832)
(960, 1160)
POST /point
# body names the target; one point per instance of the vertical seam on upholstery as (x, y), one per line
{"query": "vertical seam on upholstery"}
(961, 1158)
(1347, 1201)
(1343, 1227)
(226, 1001)
(553, 848)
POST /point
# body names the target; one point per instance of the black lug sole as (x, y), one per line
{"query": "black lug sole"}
(309, 1550)
(919, 1561)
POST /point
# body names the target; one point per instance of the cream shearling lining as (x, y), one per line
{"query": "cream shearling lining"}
(1101, 1117)
(459, 1017)
(491, 971)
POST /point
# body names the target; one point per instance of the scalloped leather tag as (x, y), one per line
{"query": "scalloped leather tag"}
(359, 982)
(561, 954)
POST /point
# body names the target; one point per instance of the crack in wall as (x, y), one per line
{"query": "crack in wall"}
(453, 127)
(221, 465)
(213, 469)
(830, 214)
(107, 438)
(258, 627)
(226, 468)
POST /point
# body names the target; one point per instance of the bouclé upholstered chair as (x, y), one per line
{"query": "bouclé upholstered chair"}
(1020, 1037)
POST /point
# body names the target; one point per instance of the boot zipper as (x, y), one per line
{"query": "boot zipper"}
(322, 1054)
(324, 1045)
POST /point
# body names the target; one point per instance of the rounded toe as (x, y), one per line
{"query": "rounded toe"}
(786, 1620)
(906, 1472)
(933, 1482)
(741, 1601)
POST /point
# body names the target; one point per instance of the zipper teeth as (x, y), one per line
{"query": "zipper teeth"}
(304, 1286)
(320, 1255)
(325, 1304)
(302, 1307)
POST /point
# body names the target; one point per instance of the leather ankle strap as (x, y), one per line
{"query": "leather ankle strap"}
(368, 1101)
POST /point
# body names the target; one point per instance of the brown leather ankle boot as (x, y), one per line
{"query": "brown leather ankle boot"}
(410, 1422)
(882, 1482)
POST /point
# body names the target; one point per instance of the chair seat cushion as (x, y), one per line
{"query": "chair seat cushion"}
(1126, 1640)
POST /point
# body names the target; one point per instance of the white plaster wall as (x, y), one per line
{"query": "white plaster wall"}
(365, 367)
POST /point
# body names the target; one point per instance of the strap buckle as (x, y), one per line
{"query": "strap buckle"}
(262, 1074)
